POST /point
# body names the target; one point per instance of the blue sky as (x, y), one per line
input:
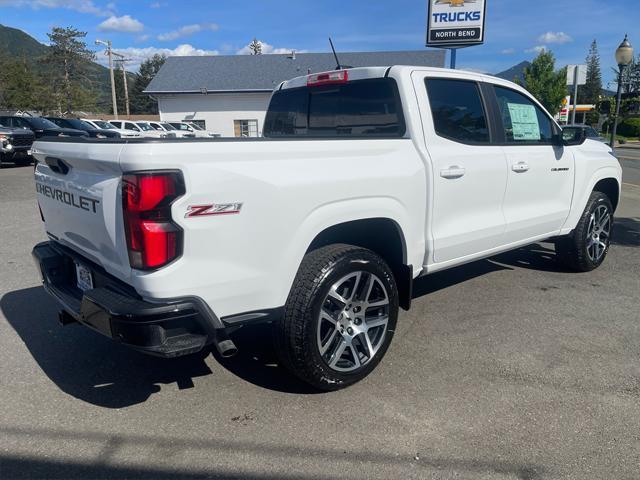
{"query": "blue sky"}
(515, 30)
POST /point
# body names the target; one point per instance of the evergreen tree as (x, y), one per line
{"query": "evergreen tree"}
(140, 102)
(592, 90)
(544, 83)
(23, 89)
(69, 56)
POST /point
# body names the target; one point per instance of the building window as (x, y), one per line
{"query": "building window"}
(245, 128)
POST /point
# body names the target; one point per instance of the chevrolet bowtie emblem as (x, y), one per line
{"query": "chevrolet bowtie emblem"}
(454, 3)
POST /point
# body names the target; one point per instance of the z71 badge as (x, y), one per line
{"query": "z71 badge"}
(213, 209)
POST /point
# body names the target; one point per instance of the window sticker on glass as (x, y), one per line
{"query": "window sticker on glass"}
(524, 122)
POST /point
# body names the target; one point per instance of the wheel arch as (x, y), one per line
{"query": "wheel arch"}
(381, 235)
(606, 178)
(610, 187)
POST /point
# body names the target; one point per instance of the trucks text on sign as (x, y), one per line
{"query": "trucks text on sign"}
(455, 23)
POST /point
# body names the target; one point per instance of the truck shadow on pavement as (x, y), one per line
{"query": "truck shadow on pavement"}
(84, 364)
(626, 232)
(97, 370)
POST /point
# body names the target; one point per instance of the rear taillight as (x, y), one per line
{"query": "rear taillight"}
(153, 240)
(327, 78)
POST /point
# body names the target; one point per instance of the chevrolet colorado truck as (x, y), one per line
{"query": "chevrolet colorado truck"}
(366, 178)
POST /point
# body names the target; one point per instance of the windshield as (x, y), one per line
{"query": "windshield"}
(104, 125)
(145, 126)
(38, 122)
(168, 126)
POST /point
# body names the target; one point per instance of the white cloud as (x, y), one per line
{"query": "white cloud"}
(159, 4)
(143, 38)
(138, 55)
(82, 6)
(267, 49)
(508, 51)
(537, 49)
(187, 30)
(121, 24)
(554, 37)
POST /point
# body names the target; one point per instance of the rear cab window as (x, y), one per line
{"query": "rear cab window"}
(359, 108)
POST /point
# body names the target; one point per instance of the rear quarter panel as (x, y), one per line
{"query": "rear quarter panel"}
(290, 191)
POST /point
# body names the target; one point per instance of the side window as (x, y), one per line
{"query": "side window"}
(130, 126)
(116, 124)
(522, 119)
(457, 110)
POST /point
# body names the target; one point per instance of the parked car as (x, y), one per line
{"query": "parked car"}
(590, 132)
(197, 130)
(367, 178)
(15, 145)
(104, 125)
(143, 128)
(171, 130)
(82, 125)
(41, 127)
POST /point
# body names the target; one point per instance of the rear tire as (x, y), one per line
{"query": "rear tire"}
(339, 318)
(587, 246)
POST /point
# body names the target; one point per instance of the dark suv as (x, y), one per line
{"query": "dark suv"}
(41, 127)
(15, 145)
(78, 124)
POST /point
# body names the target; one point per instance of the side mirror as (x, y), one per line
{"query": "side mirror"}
(573, 136)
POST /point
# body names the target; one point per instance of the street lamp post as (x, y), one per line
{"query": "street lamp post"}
(624, 56)
(113, 82)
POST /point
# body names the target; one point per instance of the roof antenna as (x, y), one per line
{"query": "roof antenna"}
(338, 67)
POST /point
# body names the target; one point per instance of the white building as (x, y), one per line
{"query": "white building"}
(229, 95)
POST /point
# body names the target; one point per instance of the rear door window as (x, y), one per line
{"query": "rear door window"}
(360, 108)
(457, 110)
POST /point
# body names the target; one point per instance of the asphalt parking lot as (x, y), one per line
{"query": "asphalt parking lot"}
(508, 368)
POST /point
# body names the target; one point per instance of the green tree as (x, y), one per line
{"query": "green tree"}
(256, 47)
(592, 90)
(140, 102)
(69, 56)
(22, 88)
(18, 87)
(546, 84)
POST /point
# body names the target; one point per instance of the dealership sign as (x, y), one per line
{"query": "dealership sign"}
(455, 23)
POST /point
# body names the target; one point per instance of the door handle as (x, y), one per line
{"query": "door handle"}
(453, 171)
(520, 167)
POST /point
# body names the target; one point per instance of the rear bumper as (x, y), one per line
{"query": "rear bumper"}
(166, 328)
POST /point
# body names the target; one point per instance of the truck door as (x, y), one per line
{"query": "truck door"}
(540, 174)
(469, 172)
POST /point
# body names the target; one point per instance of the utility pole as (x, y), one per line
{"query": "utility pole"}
(113, 82)
(122, 61)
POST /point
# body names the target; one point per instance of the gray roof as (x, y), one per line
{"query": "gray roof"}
(223, 73)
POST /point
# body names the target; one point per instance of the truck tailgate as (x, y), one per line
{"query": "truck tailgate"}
(78, 190)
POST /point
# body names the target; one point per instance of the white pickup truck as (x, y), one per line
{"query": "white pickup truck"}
(365, 179)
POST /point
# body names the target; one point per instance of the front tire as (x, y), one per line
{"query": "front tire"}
(339, 318)
(586, 248)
